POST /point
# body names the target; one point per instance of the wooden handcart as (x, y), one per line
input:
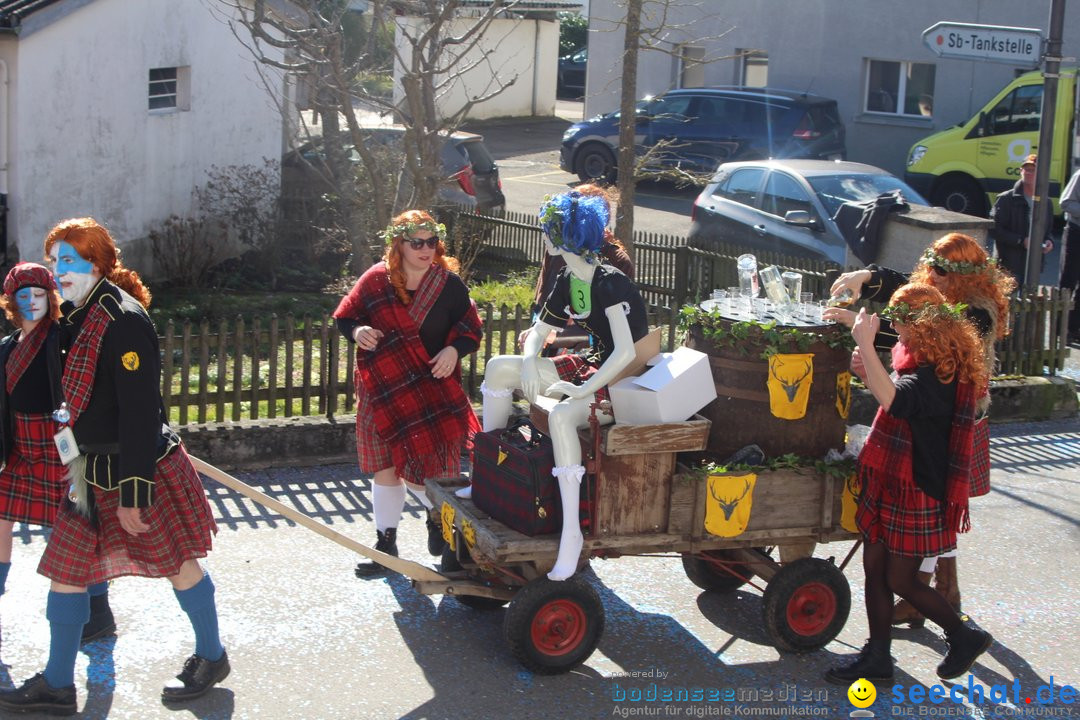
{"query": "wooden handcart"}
(644, 504)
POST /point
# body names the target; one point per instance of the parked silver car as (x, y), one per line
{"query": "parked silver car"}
(787, 205)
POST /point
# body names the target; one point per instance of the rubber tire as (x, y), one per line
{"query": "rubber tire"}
(709, 578)
(962, 193)
(543, 598)
(600, 157)
(813, 591)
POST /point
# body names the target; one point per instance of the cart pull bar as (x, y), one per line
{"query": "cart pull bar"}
(412, 570)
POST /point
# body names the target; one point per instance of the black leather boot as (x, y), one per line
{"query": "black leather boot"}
(435, 542)
(386, 542)
(196, 678)
(37, 695)
(966, 643)
(101, 623)
(873, 663)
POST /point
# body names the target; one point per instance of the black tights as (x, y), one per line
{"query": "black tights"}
(886, 574)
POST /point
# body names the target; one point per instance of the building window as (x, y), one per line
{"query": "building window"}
(753, 68)
(900, 88)
(169, 89)
(691, 66)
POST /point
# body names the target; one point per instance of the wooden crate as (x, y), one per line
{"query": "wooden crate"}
(788, 505)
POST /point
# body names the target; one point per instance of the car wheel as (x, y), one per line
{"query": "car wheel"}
(595, 162)
(961, 194)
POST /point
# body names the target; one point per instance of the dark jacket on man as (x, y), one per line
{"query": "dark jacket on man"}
(1012, 223)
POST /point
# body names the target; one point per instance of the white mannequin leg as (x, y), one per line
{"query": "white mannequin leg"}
(502, 375)
(563, 422)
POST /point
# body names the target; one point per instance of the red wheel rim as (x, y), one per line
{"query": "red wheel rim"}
(811, 608)
(558, 627)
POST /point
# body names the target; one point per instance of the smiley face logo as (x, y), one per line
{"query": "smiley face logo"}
(862, 693)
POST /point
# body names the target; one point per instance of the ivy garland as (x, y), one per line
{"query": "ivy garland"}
(840, 469)
(748, 334)
(904, 313)
(960, 267)
(407, 229)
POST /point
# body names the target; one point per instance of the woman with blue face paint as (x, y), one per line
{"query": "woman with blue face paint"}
(140, 506)
(32, 482)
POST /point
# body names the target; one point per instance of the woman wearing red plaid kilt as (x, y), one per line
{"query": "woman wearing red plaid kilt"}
(141, 505)
(412, 321)
(915, 469)
(32, 482)
(958, 266)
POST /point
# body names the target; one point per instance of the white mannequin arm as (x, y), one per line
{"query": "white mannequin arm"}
(534, 344)
(620, 357)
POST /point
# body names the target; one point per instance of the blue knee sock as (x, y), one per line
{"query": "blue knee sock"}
(4, 569)
(66, 613)
(98, 588)
(198, 603)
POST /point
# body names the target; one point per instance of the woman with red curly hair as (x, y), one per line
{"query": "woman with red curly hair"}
(959, 267)
(412, 321)
(914, 470)
(140, 506)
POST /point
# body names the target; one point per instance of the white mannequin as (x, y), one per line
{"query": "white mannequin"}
(537, 375)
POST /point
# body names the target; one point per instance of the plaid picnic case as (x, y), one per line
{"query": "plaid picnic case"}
(512, 480)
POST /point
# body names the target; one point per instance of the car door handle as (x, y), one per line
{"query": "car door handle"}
(759, 229)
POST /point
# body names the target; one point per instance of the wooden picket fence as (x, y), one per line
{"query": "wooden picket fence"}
(247, 369)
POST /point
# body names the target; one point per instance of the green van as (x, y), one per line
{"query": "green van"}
(965, 167)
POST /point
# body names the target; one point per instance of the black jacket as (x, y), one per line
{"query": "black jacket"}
(54, 368)
(1012, 223)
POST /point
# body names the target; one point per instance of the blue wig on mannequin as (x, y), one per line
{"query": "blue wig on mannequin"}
(575, 223)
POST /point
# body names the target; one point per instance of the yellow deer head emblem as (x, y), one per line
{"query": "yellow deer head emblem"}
(727, 509)
(790, 377)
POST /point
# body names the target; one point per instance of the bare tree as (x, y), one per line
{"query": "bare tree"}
(646, 26)
(438, 43)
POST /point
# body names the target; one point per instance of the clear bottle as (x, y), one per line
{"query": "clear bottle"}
(748, 276)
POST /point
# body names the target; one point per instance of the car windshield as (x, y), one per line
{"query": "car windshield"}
(835, 190)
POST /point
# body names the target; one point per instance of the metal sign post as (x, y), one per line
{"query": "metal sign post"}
(1039, 216)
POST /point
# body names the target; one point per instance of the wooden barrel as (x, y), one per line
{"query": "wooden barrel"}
(741, 413)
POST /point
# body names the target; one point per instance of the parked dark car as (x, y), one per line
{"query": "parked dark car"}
(470, 174)
(693, 130)
(786, 205)
(571, 79)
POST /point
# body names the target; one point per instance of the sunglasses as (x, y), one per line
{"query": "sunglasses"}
(940, 271)
(418, 243)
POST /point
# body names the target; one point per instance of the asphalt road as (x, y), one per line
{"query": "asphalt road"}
(309, 641)
(528, 156)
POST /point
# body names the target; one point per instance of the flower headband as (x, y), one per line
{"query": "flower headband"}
(961, 267)
(407, 229)
(904, 313)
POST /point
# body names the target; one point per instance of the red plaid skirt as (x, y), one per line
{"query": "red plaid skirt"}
(897, 513)
(32, 484)
(573, 368)
(372, 453)
(181, 529)
(980, 460)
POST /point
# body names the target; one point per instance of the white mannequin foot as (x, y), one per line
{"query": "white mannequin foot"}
(569, 553)
(465, 492)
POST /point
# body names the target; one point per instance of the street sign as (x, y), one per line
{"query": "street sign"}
(996, 43)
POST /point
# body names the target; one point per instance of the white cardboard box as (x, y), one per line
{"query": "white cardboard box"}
(677, 386)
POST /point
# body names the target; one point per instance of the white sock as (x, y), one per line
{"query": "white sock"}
(497, 407)
(570, 541)
(422, 497)
(928, 564)
(465, 492)
(387, 501)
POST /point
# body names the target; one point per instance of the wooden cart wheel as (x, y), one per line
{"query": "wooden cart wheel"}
(806, 605)
(552, 627)
(716, 577)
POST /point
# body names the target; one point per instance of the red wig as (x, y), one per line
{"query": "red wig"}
(93, 242)
(392, 256)
(945, 340)
(990, 282)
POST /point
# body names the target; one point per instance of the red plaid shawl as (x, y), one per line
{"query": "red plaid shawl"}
(422, 419)
(81, 364)
(888, 448)
(24, 353)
